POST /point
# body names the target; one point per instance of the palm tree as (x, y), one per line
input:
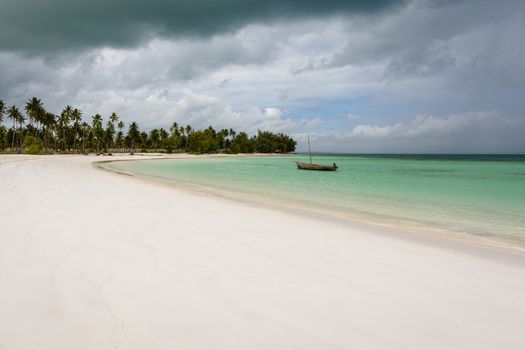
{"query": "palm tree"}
(35, 110)
(188, 133)
(20, 120)
(63, 122)
(76, 117)
(85, 130)
(12, 114)
(113, 119)
(174, 129)
(154, 136)
(48, 122)
(120, 127)
(2, 111)
(133, 135)
(97, 127)
(163, 137)
(110, 134)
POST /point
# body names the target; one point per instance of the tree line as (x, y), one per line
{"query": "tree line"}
(40, 131)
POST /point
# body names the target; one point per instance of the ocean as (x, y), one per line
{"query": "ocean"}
(480, 195)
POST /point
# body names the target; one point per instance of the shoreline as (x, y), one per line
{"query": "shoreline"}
(403, 229)
(94, 260)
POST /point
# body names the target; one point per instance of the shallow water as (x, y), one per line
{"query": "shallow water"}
(481, 195)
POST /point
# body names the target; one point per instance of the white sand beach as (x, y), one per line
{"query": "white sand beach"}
(95, 260)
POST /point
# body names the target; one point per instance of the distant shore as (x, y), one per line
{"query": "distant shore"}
(92, 259)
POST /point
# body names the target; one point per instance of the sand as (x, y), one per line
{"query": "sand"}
(95, 260)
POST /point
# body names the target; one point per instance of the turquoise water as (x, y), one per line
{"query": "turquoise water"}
(481, 195)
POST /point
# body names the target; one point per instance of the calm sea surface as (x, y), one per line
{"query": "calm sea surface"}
(481, 195)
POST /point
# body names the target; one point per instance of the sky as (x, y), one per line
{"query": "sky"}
(358, 76)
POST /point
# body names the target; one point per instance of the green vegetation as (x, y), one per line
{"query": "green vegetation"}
(32, 145)
(46, 132)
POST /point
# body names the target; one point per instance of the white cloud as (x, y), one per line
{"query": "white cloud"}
(199, 110)
(272, 112)
(473, 132)
(352, 117)
(301, 76)
(428, 126)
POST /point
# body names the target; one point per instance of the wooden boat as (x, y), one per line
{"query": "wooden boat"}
(313, 166)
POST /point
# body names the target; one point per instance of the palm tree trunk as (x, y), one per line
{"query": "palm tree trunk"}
(20, 139)
(75, 140)
(45, 140)
(13, 139)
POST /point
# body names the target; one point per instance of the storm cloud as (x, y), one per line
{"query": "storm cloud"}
(43, 26)
(359, 76)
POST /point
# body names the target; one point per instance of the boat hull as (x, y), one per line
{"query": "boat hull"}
(312, 166)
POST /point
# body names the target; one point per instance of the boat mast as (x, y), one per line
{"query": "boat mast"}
(309, 151)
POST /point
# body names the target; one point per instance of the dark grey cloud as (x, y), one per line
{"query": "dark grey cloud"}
(36, 26)
(430, 37)
(294, 67)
